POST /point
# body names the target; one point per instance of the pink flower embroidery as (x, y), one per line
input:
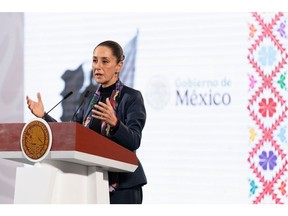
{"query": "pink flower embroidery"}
(265, 107)
(282, 188)
(252, 30)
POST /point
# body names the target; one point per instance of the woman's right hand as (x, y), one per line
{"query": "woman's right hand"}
(36, 107)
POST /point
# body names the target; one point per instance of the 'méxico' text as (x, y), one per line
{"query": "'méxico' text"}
(202, 99)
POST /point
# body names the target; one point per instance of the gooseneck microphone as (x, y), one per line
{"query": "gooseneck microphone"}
(65, 97)
(85, 96)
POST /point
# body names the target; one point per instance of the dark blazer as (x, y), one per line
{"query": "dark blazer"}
(132, 116)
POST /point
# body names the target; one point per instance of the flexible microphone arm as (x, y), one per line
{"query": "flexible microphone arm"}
(85, 96)
(65, 97)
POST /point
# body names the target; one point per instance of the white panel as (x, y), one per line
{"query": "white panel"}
(11, 67)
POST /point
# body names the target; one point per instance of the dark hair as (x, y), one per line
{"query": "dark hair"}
(117, 50)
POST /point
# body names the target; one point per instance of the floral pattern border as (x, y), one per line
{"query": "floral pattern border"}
(267, 106)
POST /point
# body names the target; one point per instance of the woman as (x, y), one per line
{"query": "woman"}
(115, 111)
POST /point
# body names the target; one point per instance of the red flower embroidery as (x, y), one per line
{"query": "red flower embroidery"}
(269, 107)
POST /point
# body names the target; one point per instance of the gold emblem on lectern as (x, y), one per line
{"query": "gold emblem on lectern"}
(36, 140)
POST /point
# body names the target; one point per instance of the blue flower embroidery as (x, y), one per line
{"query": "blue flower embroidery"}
(253, 187)
(267, 55)
(282, 133)
(268, 160)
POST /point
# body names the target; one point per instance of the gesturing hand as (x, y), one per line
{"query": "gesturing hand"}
(105, 112)
(36, 107)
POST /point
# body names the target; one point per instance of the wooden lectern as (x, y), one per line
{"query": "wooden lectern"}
(75, 170)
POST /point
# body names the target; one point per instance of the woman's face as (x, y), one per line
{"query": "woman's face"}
(105, 66)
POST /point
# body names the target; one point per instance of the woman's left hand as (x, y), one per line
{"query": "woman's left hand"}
(105, 112)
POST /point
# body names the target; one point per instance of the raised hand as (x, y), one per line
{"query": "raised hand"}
(105, 112)
(36, 107)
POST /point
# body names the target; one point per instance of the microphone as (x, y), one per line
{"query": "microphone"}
(85, 96)
(65, 97)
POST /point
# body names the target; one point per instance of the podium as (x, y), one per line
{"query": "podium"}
(74, 171)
